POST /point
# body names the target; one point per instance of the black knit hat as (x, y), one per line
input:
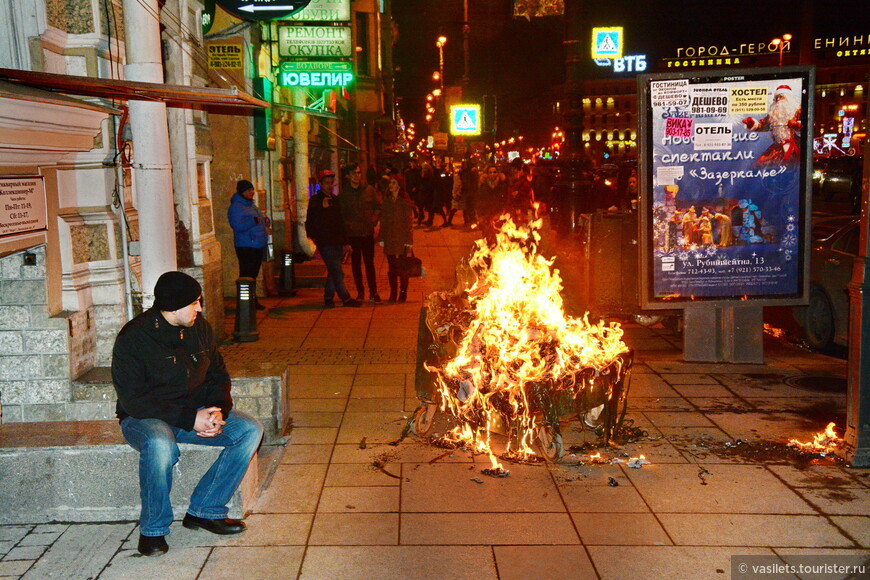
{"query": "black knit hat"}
(244, 185)
(175, 290)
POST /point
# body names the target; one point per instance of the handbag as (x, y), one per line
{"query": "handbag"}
(410, 266)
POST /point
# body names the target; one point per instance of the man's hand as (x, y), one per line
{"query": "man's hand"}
(749, 122)
(208, 422)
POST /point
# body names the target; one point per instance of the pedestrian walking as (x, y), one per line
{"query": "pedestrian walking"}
(412, 187)
(429, 194)
(250, 231)
(173, 387)
(326, 227)
(397, 236)
(361, 209)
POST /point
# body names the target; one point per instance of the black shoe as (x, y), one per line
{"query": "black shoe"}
(392, 298)
(376, 298)
(328, 304)
(152, 545)
(221, 526)
(352, 303)
(403, 296)
(360, 296)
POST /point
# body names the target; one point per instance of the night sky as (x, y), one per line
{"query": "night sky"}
(522, 62)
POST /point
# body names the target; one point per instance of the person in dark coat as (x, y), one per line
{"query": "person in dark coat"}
(326, 227)
(361, 210)
(173, 387)
(412, 187)
(397, 235)
(491, 192)
(250, 231)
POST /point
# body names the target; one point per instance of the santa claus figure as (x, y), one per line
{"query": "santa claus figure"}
(784, 123)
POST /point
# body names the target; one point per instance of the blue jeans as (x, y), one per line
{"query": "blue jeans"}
(157, 444)
(332, 256)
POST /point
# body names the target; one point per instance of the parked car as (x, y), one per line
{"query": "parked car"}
(834, 247)
(838, 177)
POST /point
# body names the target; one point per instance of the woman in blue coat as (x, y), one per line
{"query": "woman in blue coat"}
(250, 231)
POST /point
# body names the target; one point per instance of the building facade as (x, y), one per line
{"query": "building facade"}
(90, 115)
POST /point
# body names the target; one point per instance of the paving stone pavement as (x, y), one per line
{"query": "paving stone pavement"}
(343, 502)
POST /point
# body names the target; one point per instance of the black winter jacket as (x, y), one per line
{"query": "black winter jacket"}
(168, 372)
(324, 224)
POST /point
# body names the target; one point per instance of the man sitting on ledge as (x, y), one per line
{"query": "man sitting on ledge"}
(173, 387)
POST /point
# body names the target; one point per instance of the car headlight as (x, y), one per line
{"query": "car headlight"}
(817, 174)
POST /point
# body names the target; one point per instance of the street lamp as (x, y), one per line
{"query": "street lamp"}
(440, 42)
(780, 43)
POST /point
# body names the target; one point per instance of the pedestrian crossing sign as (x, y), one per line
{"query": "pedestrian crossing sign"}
(607, 42)
(465, 120)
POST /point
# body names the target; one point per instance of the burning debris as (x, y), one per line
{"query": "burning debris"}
(496, 472)
(774, 331)
(823, 444)
(510, 361)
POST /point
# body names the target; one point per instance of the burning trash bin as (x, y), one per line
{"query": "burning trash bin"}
(505, 358)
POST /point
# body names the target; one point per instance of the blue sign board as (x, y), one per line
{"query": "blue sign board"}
(465, 120)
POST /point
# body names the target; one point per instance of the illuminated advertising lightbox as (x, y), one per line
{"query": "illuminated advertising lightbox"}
(607, 42)
(465, 120)
(303, 41)
(323, 11)
(315, 74)
(727, 158)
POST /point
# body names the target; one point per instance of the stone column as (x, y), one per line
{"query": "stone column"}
(152, 169)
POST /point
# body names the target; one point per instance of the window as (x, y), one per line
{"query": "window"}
(363, 45)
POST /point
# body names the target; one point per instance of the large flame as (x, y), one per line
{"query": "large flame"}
(517, 343)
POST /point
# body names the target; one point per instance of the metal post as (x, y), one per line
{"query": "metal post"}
(572, 188)
(858, 404)
(466, 31)
(246, 311)
(730, 334)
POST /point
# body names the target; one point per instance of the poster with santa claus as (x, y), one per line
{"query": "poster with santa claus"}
(725, 211)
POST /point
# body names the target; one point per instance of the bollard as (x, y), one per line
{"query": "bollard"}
(246, 311)
(288, 275)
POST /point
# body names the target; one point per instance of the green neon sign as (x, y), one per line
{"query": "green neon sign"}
(315, 74)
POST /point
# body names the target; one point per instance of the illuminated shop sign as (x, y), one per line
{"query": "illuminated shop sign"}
(607, 42)
(323, 11)
(844, 46)
(627, 63)
(607, 49)
(296, 41)
(315, 74)
(465, 120)
(724, 55)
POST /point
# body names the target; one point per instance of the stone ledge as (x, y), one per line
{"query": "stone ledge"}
(83, 471)
(257, 395)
